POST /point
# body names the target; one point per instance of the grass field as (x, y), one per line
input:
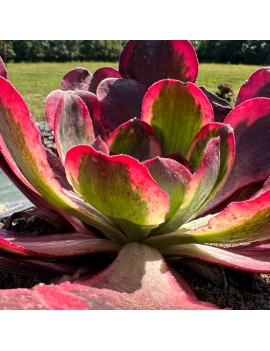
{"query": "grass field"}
(35, 80)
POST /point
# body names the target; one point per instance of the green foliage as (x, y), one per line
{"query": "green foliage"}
(60, 50)
(234, 51)
(220, 51)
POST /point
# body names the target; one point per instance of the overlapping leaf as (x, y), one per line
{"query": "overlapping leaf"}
(3, 70)
(134, 138)
(257, 85)
(251, 124)
(198, 189)
(22, 149)
(109, 183)
(172, 177)
(100, 74)
(120, 100)
(148, 61)
(73, 124)
(176, 111)
(77, 78)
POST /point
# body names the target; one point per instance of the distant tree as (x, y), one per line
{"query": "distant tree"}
(101, 50)
(234, 51)
(28, 50)
(6, 50)
(65, 50)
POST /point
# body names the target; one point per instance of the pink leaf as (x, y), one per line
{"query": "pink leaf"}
(109, 183)
(257, 85)
(251, 123)
(239, 221)
(199, 188)
(73, 124)
(54, 245)
(134, 138)
(22, 148)
(225, 257)
(138, 279)
(100, 74)
(77, 78)
(51, 105)
(227, 150)
(172, 177)
(3, 70)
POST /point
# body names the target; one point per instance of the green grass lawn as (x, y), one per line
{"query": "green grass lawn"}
(35, 80)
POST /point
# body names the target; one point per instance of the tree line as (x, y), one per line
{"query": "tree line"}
(220, 51)
(60, 50)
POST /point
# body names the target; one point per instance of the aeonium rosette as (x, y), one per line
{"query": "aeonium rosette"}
(144, 168)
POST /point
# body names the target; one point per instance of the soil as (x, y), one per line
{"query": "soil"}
(226, 288)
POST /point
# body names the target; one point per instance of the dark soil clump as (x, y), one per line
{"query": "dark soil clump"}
(239, 290)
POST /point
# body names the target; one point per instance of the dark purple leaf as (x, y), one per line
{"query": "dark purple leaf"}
(149, 61)
(120, 100)
(100, 74)
(220, 106)
(77, 78)
(251, 123)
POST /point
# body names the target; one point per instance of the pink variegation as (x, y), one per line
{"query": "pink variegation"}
(150, 168)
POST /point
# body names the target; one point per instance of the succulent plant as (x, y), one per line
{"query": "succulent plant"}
(147, 170)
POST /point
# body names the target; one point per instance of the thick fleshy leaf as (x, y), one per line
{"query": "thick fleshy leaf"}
(138, 279)
(55, 98)
(37, 199)
(27, 157)
(257, 85)
(239, 222)
(53, 245)
(109, 183)
(220, 106)
(120, 100)
(259, 250)
(176, 111)
(177, 156)
(92, 103)
(172, 177)
(36, 267)
(100, 145)
(198, 189)
(134, 138)
(22, 139)
(51, 105)
(77, 78)
(58, 169)
(73, 124)
(224, 257)
(3, 70)
(100, 74)
(227, 150)
(148, 61)
(251, 123)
